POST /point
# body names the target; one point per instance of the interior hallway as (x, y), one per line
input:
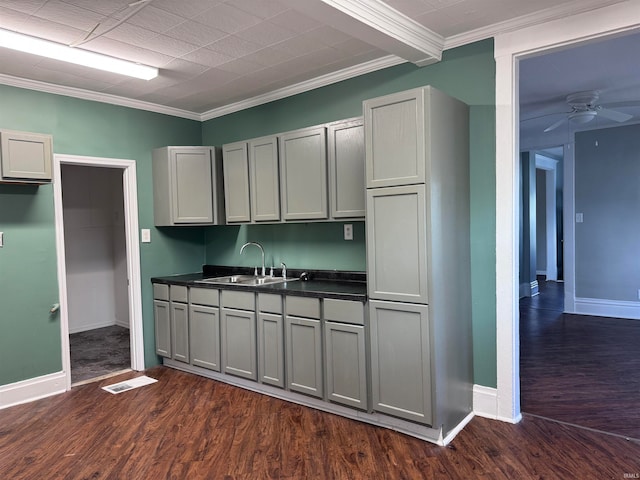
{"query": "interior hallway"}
(579, 369)
(99, 352)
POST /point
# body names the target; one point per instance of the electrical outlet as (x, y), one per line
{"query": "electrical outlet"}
(145, 235)
(579, 218)
(348, 231)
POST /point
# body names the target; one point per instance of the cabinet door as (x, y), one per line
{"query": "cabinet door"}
(192, 185)
(271, 349)
(236, 182)
(265, 182)
(238, 332)
(162, 319)
(204, 336)
(26, 156)
(180, 331)
(303, 174)
(397, 244)
(346, 365)
(304, 355)
(346, 169)
(401, 360)
(395, 139)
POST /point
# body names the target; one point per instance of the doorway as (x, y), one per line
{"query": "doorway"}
(98, 264)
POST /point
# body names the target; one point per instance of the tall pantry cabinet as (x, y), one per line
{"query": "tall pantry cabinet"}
(418, 256)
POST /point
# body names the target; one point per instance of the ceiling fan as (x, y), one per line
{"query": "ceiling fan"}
(584, 108)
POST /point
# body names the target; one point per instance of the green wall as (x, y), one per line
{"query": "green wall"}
(30, 343)
(467, 73)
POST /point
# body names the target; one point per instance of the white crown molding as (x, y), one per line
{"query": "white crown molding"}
(394, 24)
(549, 14)
(95, 96)
(322, 81)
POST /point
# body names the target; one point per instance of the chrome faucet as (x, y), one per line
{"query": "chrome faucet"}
(261, 249)
(284, 269)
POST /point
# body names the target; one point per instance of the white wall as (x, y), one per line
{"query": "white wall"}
(97, 289)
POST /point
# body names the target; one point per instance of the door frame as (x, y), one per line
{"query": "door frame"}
(510, 48)
(130, 191)
(549, 166)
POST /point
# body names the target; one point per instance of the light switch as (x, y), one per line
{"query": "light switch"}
(579, 217)
(145, 235)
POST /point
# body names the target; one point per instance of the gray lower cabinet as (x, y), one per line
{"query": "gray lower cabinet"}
(303, 346)
(179, 331)
(303, 174)
(401, 360)
(162, 319)
(238, 334)
(187, 186)
(25, 157)
(345, 152)
(270, 340)
(204, 336)
(346, 364)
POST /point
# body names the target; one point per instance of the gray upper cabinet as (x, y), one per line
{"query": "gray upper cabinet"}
(395, 139)
(187, 186)
(303, 174)
(25, 157)
(265, 181)
(345, 147)
(397, 244)
(236, 183)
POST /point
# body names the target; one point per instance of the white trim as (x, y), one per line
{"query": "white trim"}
(90, 326)
(95, 96)
(485, 401)
(550, 166)
(314, 83)
(509, 49)
(456, 430)
(32, 389)
(569, 228)
(542, 273)
(601, 307)
(133, 254)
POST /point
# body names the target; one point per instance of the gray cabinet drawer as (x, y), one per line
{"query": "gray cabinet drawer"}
(344, 311)
(178, 293)
(160, 292)
(268, 302)
(205, 296)
(239, 300)
(303, 307)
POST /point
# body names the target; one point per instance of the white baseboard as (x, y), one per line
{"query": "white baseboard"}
(90, 326)
(122, 323)
(485, 401)
(529, 289)
(32, 389)
(607, 308)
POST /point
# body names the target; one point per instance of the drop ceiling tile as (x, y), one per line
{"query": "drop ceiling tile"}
(170, 46)
(267, 56)
(11, 19)
(196, 33)
(67, 14)
(228, 18)
(353, 46)
(234, 46)
(295, 21)
(155, 19)
(25, 6)
(328, 35)
(240, 66)
(89, 74)
(188, 9)
(103, 7)
(204, 56)
(53, 31)
(260, 8)
(128, 33)
(129, 52)
(183, 68)
(265, 33)
(410, 8)
(299, 45)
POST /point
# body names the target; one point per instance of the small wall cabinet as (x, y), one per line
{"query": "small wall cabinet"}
(25, 157)
(265, 181)
(236, 183)
(187, 186)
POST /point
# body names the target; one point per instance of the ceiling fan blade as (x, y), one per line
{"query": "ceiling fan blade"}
(614, 115)
(555, 125)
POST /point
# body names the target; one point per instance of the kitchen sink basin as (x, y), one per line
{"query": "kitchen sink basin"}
(248, 280)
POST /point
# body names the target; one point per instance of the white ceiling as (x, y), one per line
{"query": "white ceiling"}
(214, 55)
(608, 66)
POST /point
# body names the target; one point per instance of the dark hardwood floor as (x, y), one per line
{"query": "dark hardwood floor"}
(579, 369)
(189, 427)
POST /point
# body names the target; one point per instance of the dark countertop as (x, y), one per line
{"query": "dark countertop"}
(321, 283)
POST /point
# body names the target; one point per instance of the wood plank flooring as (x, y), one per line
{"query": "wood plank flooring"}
(189, 427)
(579, 369)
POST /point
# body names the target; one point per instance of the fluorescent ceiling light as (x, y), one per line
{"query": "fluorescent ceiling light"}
(58, 51)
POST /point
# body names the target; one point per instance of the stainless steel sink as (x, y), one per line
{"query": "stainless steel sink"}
(247, 280)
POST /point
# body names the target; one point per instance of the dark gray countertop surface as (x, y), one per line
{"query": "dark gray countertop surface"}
(321, 283)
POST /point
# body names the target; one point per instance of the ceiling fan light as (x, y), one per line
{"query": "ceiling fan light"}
(583, 117)
(58, 51)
